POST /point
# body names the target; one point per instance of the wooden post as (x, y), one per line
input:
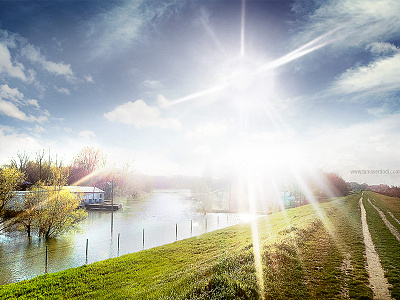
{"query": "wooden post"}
(191, 227)
(45, 261)
(118, 243)
(143, 238)
(87, 247)
(176, 232)
(206, 224)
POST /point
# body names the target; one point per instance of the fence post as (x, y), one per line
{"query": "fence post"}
(176, 232)
(118, 244)
(143, 238)
(87, 247)
(191, 228)
(45, 262)
(206, 224)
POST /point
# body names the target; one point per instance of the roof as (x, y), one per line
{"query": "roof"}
(83, 189)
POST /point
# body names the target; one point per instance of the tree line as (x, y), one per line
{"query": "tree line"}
(87, 168)
(231, 193)
(46, 208)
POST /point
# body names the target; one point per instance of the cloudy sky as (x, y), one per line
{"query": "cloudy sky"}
(187, 87)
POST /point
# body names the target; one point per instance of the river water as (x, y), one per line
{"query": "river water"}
(161, 218)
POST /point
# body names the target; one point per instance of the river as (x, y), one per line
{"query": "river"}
(161, 218)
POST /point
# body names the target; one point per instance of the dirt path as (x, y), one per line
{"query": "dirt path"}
(392, 229)
(377, 279)
(346, 268)
(394, 218)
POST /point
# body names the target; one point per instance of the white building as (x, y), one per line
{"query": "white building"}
(88, 194)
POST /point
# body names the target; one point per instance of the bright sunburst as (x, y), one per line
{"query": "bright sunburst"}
(260, 169)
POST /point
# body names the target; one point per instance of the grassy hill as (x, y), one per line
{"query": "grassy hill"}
(309, 252)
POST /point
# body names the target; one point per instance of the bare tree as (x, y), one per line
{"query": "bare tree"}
(20, 162)
(88, 160)
(40, 162)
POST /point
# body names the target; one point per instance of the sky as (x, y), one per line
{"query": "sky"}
(205, 87)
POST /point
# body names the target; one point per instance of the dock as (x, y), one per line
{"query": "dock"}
(106, 205)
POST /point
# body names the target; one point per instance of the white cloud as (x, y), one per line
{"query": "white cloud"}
(162, 101)
(39, 129)
(9, 109)
(88, 78)
(209, 130)
(63, 90)
(33, 54)
(120, 26)
(369, 145)
(10, 93)
(152, 84)
(382, 48)
(12, 142)
(87, 134)
(382, 75)
(6, 66)
(124, 24)
(141, 115)
(153, 161)
(33, 102)
(358, 22)
(268, 136)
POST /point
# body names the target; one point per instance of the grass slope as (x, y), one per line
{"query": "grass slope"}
(306, 253)
(386, 245)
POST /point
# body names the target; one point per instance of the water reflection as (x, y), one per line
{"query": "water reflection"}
(163, 217)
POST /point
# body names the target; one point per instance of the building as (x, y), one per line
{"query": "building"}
(88, 194)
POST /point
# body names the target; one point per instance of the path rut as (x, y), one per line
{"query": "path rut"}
(377, 279)
(392, 229)
(394, 218)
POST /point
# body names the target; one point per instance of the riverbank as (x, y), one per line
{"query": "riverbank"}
(309, 252)
(162, 217)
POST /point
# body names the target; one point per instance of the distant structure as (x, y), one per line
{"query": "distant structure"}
(87, 194)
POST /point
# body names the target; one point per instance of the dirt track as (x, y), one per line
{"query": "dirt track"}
(394, 218)
(377, 279)
(392, 229)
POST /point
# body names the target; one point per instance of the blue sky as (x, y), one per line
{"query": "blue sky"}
(188, 87)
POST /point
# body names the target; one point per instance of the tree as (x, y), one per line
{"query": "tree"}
(30, 209)
(88, 160)
(20, 162)
(10, 178)
(40, 163)
(58, 212)
(337, 184)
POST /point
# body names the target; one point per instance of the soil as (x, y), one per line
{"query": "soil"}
(378, 281)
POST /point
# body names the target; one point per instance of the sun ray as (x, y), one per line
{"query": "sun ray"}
(254, 233)
(308, 48)
(195, 95)
(87, 177)
(299, 52)
(213, 36)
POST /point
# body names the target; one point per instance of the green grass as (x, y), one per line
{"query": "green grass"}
(386, 245)
(302, 251)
